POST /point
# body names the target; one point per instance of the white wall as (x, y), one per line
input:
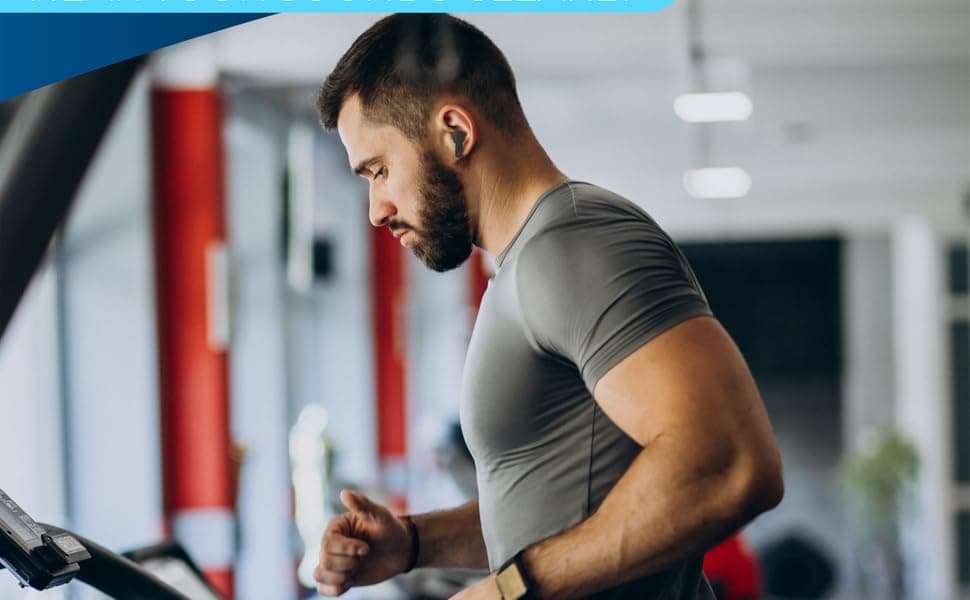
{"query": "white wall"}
(341, 328)
(439, 322)
(868, 386)
(922, 405)
(258, 387)
(110, 341)
(30, 412)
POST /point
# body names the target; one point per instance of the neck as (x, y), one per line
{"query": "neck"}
(505, 188)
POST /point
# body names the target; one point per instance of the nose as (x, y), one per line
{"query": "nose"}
(380, 210)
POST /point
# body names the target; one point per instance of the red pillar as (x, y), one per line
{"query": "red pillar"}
(190, 235)
(390, 346)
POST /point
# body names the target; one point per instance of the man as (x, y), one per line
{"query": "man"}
(616, 430)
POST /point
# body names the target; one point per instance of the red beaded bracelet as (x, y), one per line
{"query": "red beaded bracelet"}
(415, 543)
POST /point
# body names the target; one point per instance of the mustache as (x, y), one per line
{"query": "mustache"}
(396, 226)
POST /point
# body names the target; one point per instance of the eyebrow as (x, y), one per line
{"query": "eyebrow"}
(364, 164)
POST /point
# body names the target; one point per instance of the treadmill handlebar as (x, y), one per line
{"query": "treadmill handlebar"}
(43, 556)
(117, 576)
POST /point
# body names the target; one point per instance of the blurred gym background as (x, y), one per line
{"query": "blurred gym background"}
(823, 198)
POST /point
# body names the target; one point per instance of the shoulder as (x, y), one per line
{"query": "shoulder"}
(594, 202)
(602, 230)
(594, 285)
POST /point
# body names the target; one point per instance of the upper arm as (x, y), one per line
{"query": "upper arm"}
(690, 392)
(625, 309)
(690, 382)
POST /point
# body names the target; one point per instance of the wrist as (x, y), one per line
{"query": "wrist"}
(414, 543)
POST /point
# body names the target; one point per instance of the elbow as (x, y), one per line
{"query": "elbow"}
(769, 490)
(760, 488)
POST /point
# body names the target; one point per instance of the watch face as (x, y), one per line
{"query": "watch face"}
(510, 583)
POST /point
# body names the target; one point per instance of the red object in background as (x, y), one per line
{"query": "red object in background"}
(189, 237)
(478, 277)
(390, 347)
(734, 570)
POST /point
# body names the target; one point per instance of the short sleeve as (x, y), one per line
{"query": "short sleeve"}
(593, 294)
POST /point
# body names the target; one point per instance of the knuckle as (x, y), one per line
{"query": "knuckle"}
(333, 578)
(333, 525)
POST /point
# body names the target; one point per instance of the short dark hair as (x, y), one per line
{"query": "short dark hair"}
(402, 63)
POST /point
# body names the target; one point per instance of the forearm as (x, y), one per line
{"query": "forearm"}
(451, 538)
(658, 514)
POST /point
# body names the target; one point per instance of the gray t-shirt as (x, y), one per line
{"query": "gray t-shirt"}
(588, 279)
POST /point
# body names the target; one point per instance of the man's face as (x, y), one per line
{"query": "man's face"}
(418, 197)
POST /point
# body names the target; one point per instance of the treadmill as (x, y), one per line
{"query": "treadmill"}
(43, 556)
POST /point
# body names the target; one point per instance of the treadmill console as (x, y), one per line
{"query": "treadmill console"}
(36, 558)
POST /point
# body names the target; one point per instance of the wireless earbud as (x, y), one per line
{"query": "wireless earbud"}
(459, 138)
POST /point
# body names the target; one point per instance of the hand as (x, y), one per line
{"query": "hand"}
(485, 589)
(363, 546)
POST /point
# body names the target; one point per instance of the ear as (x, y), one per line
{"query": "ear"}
(455, 131)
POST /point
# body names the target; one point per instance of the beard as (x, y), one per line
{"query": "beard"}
(445, 239)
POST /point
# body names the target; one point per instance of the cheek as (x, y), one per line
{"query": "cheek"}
(406, 191)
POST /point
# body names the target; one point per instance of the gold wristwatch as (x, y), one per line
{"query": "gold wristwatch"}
(512, 580)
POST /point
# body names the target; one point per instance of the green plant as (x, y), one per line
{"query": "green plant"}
(878, 480)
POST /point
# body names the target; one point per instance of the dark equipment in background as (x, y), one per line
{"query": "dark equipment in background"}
(171, 563)
(8, 109)
(322, 251)
(44, 154)
(797, 569)
(780, 301)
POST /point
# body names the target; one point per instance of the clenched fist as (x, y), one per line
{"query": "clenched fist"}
(363, 546)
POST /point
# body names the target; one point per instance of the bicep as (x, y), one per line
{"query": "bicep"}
(691, 384)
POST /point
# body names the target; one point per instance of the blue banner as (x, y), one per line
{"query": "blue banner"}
(44, 41)
(267, 6)
(36, 50)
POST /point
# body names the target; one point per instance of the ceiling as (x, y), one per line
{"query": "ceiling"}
(761, 32)
(862, 107)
